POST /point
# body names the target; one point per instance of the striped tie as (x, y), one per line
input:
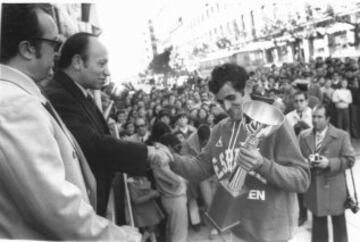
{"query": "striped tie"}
(318, 142)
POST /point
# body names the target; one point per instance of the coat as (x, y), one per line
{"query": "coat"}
(327, 192)
(45, 185)
(106, 154)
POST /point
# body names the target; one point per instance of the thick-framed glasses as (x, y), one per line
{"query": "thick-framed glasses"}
(56, 44)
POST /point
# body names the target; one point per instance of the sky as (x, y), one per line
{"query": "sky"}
(122, 23)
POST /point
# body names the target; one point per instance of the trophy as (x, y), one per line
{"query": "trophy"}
(259, 120)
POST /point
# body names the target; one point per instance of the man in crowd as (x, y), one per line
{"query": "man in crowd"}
(142, 134)
(278, 161)
(83, 66)
(300, 119)
(329, 152)
(47, 191)
(342, 98)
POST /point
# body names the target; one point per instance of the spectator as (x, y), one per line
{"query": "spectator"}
(329, 152)
(147, 213)
(172, 188)
(300, 119)
(129, 130)
(142, 134)
(181, 124)
(354, 108)
(342, 98)
(314, 89)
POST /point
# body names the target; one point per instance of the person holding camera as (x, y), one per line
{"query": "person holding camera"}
(330, 153)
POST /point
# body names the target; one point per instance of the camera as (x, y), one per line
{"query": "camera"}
(351, 204)
(314, 158)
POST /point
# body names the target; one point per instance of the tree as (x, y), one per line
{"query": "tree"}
(160, 62)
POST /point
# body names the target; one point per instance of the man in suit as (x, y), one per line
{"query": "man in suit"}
(329, 152)
(82, 67)
(47, 191)
(142, 133)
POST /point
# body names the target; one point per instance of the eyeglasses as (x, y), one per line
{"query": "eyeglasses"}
(56, 44)
(299, 100)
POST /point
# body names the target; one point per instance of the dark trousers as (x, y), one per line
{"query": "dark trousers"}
(320, 230)
(343, 119)
(302, 208)
(354, 120)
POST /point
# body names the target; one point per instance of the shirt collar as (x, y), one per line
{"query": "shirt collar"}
(82, 89)
(323, 132)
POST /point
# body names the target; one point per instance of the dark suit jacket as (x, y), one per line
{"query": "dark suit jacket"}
(105, 154)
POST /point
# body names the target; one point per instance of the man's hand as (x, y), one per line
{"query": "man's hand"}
(159, 155)
(250, 159)
(322, 163)
(155, 193)
(132, 234)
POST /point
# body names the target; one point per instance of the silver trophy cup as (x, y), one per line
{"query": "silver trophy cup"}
(259, 120)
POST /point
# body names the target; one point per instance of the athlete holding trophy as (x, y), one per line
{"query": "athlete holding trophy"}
(255, 156)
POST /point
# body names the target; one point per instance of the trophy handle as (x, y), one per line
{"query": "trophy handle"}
(237, 179)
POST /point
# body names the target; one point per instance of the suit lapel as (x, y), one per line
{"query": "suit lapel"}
(88, 176)
(329, 136)
(310, 141)
(26, 84)
(90, 109)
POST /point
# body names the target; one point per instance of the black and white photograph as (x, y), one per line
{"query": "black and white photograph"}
(180, 120)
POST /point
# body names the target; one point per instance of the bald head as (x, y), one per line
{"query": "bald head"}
(85, 59)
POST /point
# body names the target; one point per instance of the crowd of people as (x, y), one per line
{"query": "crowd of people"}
(168, 141)
(295, 88)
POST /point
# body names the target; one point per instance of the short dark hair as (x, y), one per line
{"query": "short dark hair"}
(76, 44)
(325, 107)
(204, 132)
(301, 93)
(158, 130)
(19, 22)
(228, 72)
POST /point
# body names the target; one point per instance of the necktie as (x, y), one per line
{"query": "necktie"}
(318, 142)
(92, 103)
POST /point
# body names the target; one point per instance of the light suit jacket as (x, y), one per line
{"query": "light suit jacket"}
(45, 189)
(327, 192)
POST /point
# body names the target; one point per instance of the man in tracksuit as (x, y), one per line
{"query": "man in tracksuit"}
(278, 170)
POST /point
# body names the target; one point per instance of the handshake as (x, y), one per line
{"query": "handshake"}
(159, 155)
